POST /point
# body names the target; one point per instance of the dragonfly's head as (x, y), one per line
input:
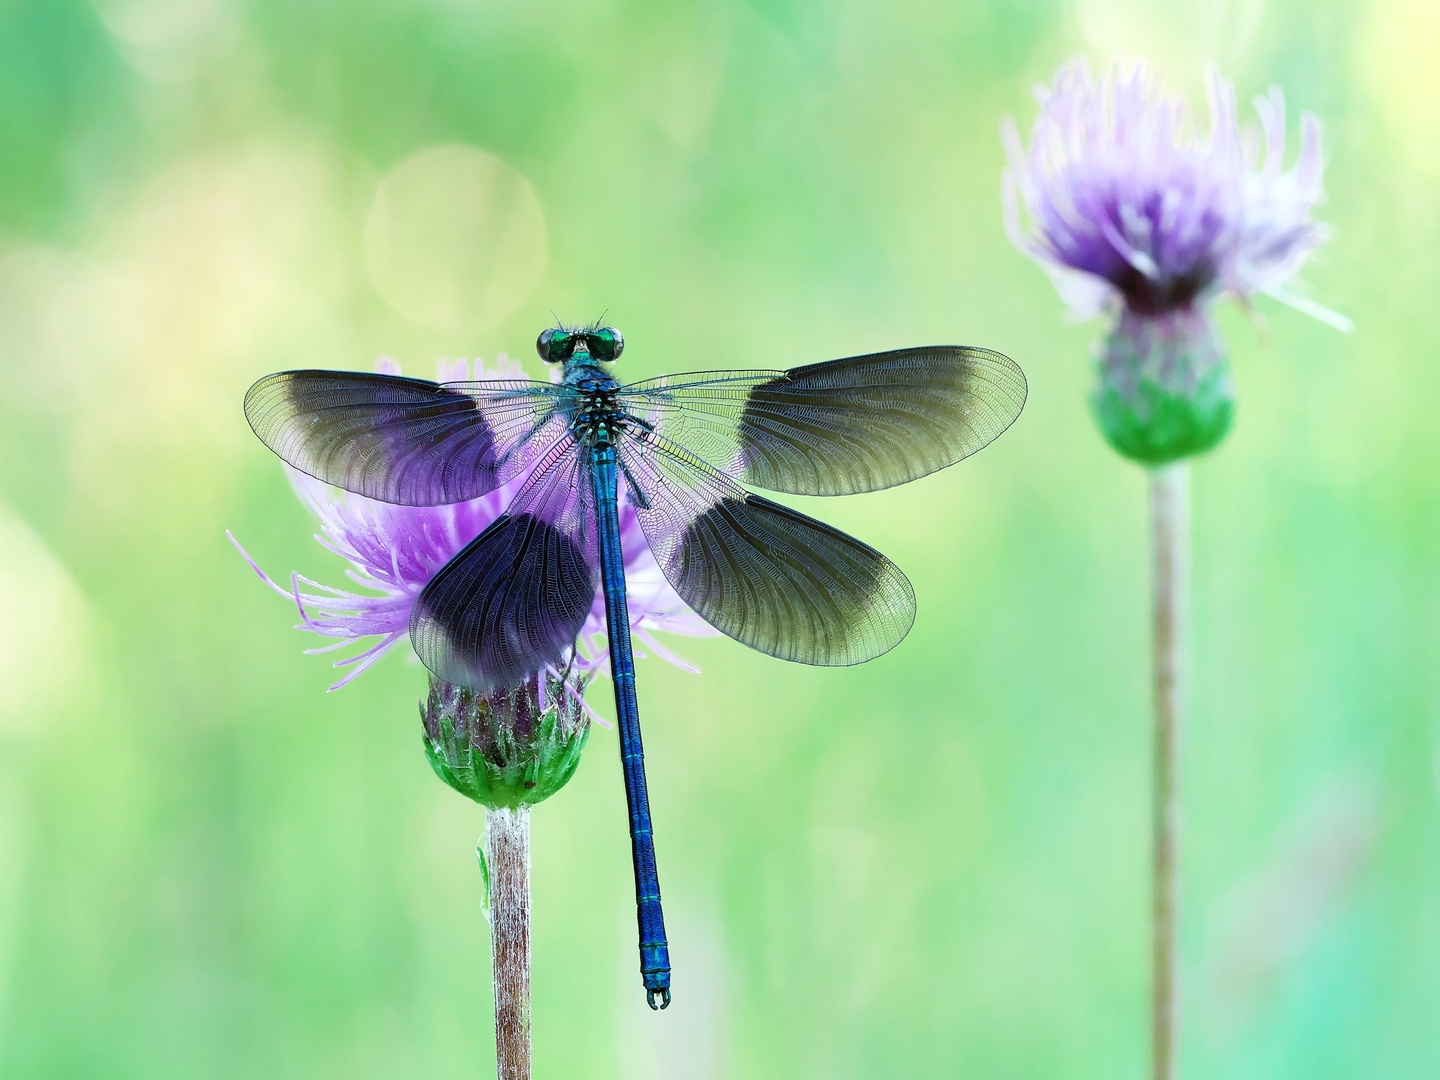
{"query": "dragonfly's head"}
(560, 344)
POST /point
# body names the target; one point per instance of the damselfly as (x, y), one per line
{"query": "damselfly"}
(677, 448)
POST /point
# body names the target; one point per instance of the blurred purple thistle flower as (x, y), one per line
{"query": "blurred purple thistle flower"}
(394, 551)
(1129, 205)
(1131, 212)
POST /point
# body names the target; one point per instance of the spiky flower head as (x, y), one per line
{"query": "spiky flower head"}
(1134, 213)
(507, 748)
(487, 747)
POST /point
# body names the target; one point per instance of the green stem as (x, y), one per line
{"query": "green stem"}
(507, 855)
(1170, 566)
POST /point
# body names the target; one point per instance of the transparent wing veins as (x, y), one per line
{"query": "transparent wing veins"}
(841, 427)
(766, 575)
(407, 441)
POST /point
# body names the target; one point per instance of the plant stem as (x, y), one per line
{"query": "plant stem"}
(507, 853)
(1170, 568)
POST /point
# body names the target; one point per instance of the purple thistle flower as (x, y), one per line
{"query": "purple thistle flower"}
(394, 551)
(1131, 212)
(1128, 205)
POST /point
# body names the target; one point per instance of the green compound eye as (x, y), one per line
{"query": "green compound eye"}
(555, 345)
(607, 343)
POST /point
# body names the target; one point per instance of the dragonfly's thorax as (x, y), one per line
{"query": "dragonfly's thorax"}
(598, 418)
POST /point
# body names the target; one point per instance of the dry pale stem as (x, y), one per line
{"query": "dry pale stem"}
(1170, 548)
(507, 853)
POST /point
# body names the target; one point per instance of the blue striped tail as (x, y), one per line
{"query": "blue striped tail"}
(654, 950)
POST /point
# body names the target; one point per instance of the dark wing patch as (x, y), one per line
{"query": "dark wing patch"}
(513, 601)
(763, 574)
(401, 440)
(840, 427)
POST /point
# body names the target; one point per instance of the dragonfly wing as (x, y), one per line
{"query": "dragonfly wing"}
(513, 601)
(407, 441)
(760, 572)
(844, 426)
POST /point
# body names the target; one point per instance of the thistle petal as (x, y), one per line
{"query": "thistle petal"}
(1119, 189)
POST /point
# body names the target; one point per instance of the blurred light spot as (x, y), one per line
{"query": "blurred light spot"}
(1178, 38)
(1399, 50)
(168, 40)
(1272, 916)
(681, 91)
(43, 629)
(233, 264)
(455, 238)
(216, 270)
(63, 320)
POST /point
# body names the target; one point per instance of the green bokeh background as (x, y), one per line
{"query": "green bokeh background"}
(932, 865)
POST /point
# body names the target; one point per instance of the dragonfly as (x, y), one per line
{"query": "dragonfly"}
(679, 449)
